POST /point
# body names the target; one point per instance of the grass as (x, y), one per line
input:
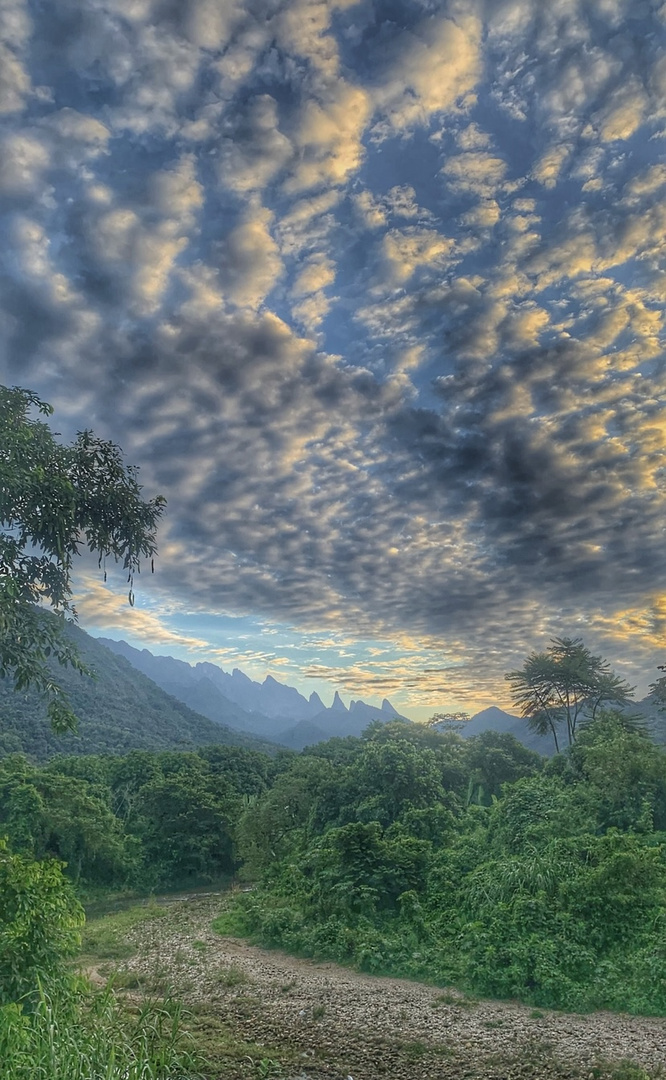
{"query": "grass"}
(625, 1070)
(449, 997)
(90, 1036)
(107, 936)
(233, 976)
(229, 1055)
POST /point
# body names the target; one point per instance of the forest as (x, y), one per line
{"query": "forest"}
(471, 862)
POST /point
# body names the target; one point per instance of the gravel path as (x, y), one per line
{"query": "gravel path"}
(343, 1023)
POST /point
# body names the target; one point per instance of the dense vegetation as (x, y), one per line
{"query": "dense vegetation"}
(467, 861)
(471, 862)
(141, 821)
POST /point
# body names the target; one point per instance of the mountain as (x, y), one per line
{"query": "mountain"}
(118, 711)
(494, 719)
(269, 710)
(648, 712)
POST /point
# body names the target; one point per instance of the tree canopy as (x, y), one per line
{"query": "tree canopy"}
(54, 499)
(556, 688)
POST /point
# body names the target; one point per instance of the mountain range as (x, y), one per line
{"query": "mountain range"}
(118, 710)
(274, 711)
(141, 701)
(494, 719)
(266, 710)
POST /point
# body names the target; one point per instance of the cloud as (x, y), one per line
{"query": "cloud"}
(624, 112)
(549, 166)
(328, 139)
(139, 247)
(75, 127)
(24, 160)
(475, 172)
(15, 82)
(374, 295)
(311, 281)
(257, 150)
(429, 69)
(249, 260)
(404, 251)
(399, 202)
(102, 608)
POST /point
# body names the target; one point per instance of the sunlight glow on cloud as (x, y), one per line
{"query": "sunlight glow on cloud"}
(375, 296)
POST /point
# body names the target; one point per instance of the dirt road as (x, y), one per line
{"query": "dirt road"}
(317, 1020)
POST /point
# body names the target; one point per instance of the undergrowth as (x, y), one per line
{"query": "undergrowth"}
(85, 1035)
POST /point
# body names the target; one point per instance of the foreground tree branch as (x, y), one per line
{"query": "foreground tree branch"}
(55, 498)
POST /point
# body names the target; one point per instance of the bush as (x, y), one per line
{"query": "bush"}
(40, 921)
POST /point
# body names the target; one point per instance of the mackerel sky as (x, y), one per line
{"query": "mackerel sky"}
(373, 293)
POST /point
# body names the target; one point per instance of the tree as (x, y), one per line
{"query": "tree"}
(563, 685)
(54, 498)
(454, 721)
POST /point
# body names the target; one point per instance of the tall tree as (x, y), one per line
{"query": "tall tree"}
(54, 498)
(557, 688)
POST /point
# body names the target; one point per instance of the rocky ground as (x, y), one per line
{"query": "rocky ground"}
(262, 1013)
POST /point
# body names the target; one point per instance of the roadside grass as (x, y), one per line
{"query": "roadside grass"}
(89, 1035)
(106, 937)
(233, 1057)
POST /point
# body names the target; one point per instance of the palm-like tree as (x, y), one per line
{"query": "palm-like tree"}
(564, 685)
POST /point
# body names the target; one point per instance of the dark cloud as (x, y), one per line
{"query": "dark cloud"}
(372, 292)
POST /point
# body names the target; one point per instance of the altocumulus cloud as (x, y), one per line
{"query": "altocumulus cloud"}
(374, 294)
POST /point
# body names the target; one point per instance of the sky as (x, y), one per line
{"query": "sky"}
(373, 293)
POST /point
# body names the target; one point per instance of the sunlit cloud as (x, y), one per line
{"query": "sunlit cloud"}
(375, 298)
(100, 607)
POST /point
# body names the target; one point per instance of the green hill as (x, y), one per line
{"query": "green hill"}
(119, 710)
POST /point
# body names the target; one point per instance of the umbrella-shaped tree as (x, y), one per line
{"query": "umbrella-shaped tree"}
(558, 688)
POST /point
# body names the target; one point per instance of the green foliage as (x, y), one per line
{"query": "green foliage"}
(140, 821)
(54, 498)
(40, 921)
(510, 880)
(84, 1035)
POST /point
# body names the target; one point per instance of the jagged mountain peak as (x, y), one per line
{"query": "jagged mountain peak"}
(270, 710)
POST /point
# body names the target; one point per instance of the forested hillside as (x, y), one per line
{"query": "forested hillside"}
(119, 710)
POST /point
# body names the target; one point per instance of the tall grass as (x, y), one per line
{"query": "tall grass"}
(88, 1035)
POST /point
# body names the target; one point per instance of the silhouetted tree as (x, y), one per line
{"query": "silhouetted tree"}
(564, 684)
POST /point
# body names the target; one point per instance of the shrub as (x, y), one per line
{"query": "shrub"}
(40, 921)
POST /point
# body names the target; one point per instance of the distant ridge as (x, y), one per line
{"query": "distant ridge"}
(494, 719)
(120, 710)
(269, 710)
